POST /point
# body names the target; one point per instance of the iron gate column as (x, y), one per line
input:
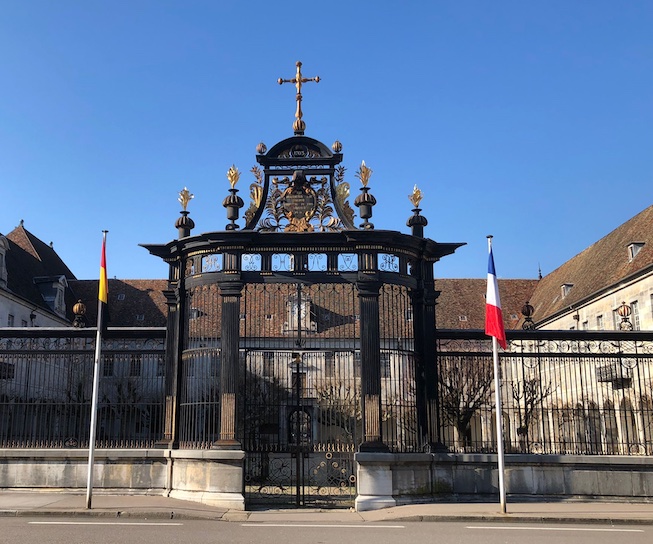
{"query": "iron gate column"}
(417, 302)
(175, 300)
(370, 347)
(231, 293)
(431, 359)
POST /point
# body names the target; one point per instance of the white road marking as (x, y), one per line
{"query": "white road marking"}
(338, 526)
(100, 523)
(513, 528)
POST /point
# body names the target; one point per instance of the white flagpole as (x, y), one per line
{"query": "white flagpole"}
(497, 382)
(96, 384)
(499, 423)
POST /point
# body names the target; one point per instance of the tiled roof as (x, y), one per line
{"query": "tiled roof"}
(461, 304)
(132, 303)
(29, 258)
(600, 266)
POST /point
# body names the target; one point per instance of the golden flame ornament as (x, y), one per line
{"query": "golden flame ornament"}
(364, 173)
(415, 197)
(185, 196)
(233, 175)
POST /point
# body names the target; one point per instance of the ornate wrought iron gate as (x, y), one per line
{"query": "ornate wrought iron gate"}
(301, 387)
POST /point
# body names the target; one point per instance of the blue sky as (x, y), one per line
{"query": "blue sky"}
(531, 121)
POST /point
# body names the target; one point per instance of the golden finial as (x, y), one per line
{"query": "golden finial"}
(185, 197)
(415, 197)
(233, 175)
(364, 174)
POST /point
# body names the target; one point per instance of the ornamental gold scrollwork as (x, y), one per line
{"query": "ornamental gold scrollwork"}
(255, 193)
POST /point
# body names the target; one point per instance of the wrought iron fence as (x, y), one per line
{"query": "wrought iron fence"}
(563, 392)
(46, 378)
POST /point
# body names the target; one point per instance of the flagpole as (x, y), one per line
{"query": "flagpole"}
(499, 423)
(96, 372)
(494, 327)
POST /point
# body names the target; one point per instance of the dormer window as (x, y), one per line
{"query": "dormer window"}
(565, 288)
(633, 249)
(52, 289)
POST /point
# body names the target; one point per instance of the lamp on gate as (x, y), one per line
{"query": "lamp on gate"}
(79, 309)
(624, 312)
(527, 311)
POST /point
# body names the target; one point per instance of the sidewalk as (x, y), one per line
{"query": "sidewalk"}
(14, 503)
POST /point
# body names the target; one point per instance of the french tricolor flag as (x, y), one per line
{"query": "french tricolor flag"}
(493, 316)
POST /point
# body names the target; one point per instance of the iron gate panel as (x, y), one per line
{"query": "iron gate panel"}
(302, 388)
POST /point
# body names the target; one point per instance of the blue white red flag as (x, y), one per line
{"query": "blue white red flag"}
(493, 315)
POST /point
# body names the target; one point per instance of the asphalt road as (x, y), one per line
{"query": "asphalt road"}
(46, 530)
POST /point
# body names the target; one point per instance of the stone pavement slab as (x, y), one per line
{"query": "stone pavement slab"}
(17, 503)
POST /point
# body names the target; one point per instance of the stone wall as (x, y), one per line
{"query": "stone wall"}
(385, 479)
(209, 476)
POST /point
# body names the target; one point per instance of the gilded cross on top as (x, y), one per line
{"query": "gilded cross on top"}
(299, 126)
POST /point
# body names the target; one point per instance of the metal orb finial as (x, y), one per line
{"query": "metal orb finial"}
(527, 311)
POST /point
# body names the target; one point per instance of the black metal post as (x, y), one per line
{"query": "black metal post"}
(231, 293)
(368, 295)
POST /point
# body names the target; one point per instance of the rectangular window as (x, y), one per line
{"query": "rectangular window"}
(329, 364)
(357, 363)
(386, 369)
(23, 323)
(135, 365)
(107, 366)
(215, 366)
(10, 320)
(599, 323)
(302, 382)
(586, 325)
(7, 371)
(634, 306)
(161, 366)
(268, 364)
(616, 319)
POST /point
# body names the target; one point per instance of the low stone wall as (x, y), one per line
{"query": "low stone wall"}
(385, 479)
(212, 476)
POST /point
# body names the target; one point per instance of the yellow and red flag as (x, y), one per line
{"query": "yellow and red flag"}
(103, 291)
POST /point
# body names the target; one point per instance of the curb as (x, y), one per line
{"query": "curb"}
(243, 517)
(520, 518)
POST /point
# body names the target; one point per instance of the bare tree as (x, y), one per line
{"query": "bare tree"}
(528, 395)
(339, 402)
(465, 384)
